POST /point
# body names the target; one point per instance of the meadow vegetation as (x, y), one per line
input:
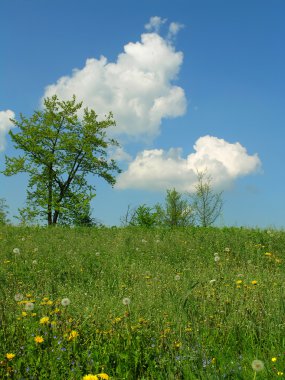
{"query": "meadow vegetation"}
(141, 304)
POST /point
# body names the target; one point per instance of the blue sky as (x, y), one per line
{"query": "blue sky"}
(192, 84)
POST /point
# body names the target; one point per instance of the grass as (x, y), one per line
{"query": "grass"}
(144, 304)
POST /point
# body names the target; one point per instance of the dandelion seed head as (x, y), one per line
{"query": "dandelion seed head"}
(16, 251)
(18, 297)
(257, 365)
(126, 301)
(65, 301)
(29, 306)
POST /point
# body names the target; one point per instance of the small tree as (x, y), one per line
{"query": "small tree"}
(60, 150)
(207, 204)
(142, 215)
(177, 211)
(3, 212)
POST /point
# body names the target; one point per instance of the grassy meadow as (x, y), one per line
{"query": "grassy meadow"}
(138, 304)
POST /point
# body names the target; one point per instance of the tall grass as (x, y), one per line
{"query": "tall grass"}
(163, 304)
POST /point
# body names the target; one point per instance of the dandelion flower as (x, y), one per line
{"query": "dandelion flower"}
(73, 335)
(38, 339)
(29, 306)
(279, 373)
(44, 320)
(10, 356)
(274, 360)
(90, 377)
(254, 282)
(238, 282)
(18, 297)
(257, 365)
(16, 251)
(65, 302)
(103, 376)
(126, 301)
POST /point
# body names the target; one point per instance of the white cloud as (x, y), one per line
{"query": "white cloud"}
(174, 28)
(155, 23)
(138, 88)
(119, 154)
(159, 170)
(5, 126)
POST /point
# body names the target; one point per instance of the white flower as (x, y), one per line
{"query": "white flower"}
(217, 258)
(257, 365)
(65, 301)
(227, 249)
(97, 253)
(29, 306)
(16, 251)
(18, 297)
(212, 282)
(177, 277)
(126, 301)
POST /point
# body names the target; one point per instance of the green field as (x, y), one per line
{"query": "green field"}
(133, 303)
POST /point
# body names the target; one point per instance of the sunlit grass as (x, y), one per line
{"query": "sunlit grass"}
(142, 304)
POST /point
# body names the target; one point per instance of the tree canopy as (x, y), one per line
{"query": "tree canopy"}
(61, 146)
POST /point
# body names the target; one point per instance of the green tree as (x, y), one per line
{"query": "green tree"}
(177, 212)
(206, 203)
(60, 149)
(142, 215)
(3, 212)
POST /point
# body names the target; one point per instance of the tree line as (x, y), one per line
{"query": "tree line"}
(62, 144)
(200, 208)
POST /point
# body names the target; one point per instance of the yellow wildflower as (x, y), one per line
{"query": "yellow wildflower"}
(39, 339)
(90, 377)
(44, 320)
(238, 282)
(254, 282)
(103, 376)
(73, 335)
(274, 360)
(10, 356)
(279, 373)
(24, 314)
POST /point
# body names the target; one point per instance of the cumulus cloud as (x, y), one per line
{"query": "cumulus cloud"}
(5, 126)
(157, 169)
(138, 88)
(155, 23)
(174, 28)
